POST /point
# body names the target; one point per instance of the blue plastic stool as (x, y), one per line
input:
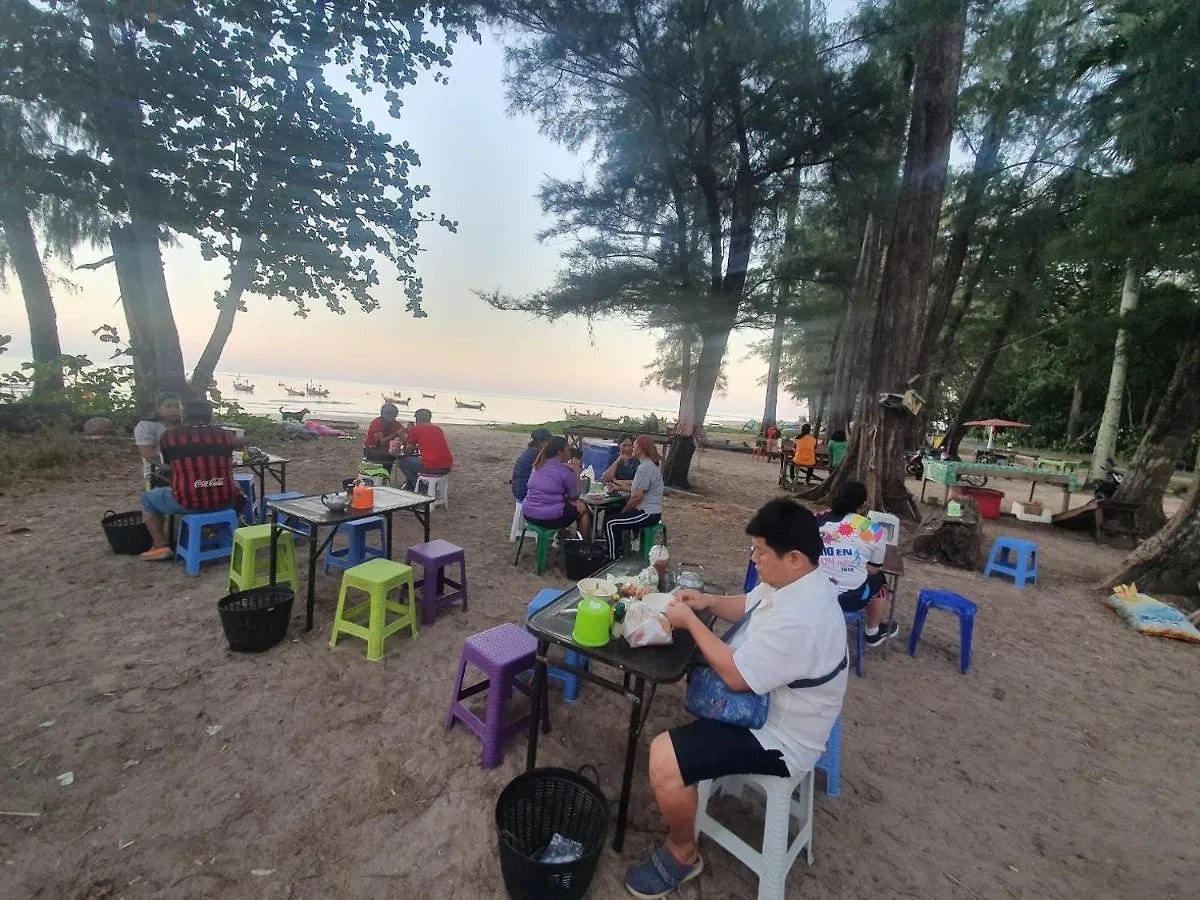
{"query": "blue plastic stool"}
(246, 484)
(751, 577)
(263, 512)
(570, 680)
(951, 603)
(1022, 565)
(859, 620)
(191, 546)
(831, 761)
(357, 550)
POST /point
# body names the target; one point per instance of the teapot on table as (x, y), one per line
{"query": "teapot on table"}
(335, 502)
(362, 496)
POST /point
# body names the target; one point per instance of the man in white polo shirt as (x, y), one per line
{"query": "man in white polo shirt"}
(792, 648)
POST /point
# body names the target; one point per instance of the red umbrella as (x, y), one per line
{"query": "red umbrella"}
(998, 423)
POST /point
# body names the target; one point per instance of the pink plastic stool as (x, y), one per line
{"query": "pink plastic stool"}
(501, 653)
(434, 558)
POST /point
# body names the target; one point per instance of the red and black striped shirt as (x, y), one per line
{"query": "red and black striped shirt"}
(201, 460)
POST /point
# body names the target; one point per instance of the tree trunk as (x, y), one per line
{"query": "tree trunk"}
(1167, 563)
(133, 303)
(850, 347)
(819, 418)
(1018, 294)
(876, 455)
(35, 289)
(1075, 416)
(1110, 423)
(1154, 463)
(771, 403)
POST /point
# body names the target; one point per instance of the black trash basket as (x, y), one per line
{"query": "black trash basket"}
(257, 619)
(584, 558)
(126, 532)
(531, 810)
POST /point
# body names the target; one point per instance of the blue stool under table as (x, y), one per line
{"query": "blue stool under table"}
(570, 680)
(859, 620)
(1022, 565)
(192, 546)
(951, 603)
(264, 513)
(357, 550)
(831, 760)
(246, 484)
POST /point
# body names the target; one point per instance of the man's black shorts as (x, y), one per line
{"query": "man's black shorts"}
(706, 749)
(853, 601)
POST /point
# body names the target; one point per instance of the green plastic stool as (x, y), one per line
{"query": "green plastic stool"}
(250, 564)
(545, 536)
(380, 474)
(650, 538)
(377, 578)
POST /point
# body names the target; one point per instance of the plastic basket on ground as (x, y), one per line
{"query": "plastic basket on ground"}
(583, 558)
(257, 619)
(126, 532)
(553, 810)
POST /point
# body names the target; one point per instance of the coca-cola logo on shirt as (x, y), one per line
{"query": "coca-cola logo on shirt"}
(209, 482)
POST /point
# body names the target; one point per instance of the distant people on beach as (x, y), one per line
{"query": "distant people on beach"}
(201, 459)
(377, 445)
(837, 448)
(523, 467)
(430, 441)
(168, 414)
(805, 456)
(620, 474)
(552, 499)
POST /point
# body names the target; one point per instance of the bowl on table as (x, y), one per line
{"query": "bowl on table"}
(597, 587)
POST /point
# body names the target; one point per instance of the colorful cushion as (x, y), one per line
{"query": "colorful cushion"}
(1146, 615)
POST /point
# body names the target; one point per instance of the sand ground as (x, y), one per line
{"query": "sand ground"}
(1062, 766)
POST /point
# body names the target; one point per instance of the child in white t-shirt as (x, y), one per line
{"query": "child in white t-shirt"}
(852, 555)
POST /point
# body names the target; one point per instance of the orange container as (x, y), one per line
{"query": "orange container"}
(363, 497)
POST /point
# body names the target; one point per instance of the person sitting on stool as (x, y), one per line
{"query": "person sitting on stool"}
(430, 441)
(644, 507)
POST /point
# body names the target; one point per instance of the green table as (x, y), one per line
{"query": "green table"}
(946, 472)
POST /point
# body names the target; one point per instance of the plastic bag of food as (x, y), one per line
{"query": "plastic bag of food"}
(644, 627)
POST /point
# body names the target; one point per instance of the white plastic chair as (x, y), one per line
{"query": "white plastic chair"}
(888, 521)
(786, 798)
(518, 524)
(437, 487)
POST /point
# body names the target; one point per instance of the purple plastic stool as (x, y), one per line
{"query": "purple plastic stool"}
(433, 558)
(501, 653)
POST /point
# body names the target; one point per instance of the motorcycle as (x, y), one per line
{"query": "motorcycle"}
(1104, 488)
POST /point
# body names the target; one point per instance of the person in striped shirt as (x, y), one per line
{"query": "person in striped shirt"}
(201, 459)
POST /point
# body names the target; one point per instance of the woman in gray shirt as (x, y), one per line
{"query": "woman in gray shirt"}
(168, 413)
(644, 507)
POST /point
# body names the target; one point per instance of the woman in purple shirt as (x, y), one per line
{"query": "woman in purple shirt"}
(552, 500)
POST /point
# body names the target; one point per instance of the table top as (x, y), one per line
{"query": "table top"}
(660, 665)
(946, 471)
(312, 510)
(610, 499)
(271, 460)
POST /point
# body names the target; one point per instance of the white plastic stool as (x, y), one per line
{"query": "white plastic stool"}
(437, 487)
(518, 525)
(786, 797)
(888, 521)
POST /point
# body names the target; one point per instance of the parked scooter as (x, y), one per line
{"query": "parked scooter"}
(1104, 488)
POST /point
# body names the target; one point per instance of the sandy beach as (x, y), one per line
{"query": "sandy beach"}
(1061, 766)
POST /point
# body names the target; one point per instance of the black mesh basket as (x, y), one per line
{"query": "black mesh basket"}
(531, 810)
(126, 532)
(257, 619)
(584, 558)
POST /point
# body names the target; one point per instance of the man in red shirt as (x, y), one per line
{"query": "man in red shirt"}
(381, 432)
(201, 459)
(430, 441)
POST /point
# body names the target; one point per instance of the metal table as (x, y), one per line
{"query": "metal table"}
(656, 665)
(312, 512)
(602, 506)
(275, 465)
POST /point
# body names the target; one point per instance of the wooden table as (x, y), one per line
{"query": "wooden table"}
(656, 665)
(947, 472)
(576, 433)
(315, 514)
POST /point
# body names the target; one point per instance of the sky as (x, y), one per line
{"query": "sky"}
(484, 168)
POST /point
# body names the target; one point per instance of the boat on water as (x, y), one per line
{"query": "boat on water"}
(315, 390)
(462, 404)
(398, 401)
(243, 385)
(582, 414)
(429, 396)
(291, 391)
